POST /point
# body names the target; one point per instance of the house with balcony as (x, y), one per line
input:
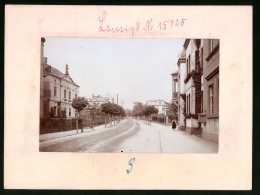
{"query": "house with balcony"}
(57, 90)
(175, 86)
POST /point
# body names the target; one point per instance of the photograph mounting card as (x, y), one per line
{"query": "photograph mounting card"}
(113, 96)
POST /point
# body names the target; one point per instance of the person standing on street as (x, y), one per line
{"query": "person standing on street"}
(173, 125)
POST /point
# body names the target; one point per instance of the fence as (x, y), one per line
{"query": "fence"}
(89, 122)
(100, 120)
(50, 125)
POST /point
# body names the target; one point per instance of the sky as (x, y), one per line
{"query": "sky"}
(137, 70)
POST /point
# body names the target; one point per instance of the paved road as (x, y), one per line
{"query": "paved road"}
(103, 141)
(130, 136)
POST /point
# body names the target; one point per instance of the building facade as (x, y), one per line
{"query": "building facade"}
(161, 105)
(198, 88)
(57, 90)
(210, 101)
(98, 100)
(175, 86)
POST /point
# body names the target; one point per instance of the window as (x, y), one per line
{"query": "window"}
(201, 101)
(201, 58)
(217, 96)
(210, 45)
(188, 65)
(69, 111)
(211, 98)
(189, 103)
(64, 93)
(55, 91)
(69, 95)
(54, 110)
(75, 95)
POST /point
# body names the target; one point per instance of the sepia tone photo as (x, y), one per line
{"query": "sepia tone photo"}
(91, 98)
(129, 95)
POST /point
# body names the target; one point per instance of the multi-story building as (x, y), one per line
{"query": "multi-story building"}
(57, 90)
(198, 87)
(181, 89)
(161, 105)
(210, 102)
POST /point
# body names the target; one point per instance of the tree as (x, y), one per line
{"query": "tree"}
(128, 112)
(107, 109)
(113, 110)
(172, 113)
(94, 111)
(148, 110)
(138, 109)
(79, 104)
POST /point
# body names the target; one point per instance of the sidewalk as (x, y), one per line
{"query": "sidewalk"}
(181, 142)
(49, 136)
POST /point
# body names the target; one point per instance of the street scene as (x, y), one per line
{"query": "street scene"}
(129, 95)
(129, 136)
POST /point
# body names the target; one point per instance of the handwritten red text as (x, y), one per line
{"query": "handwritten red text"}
(144, 26)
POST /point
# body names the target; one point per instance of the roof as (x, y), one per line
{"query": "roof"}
(186, 43)
(156, 101)
(53, 71)
(174, 73)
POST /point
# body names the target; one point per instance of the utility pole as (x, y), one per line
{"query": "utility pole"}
(117, 98)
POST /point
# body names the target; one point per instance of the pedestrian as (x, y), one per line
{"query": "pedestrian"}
(173, 125)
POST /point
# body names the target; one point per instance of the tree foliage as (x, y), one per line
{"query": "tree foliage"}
(128, 112)
(148, 110)
(138, 109)
(79, 103)
(173, 111)
(113, 109)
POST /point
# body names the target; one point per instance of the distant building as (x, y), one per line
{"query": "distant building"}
(198, 88)
(110, 98)
(98, 100)
(57, 89)
(161, 105)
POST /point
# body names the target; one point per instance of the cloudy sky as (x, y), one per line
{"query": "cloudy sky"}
(135, 69)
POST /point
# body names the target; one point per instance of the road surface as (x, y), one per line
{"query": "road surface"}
(130, 135)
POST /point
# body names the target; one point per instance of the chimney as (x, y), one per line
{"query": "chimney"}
(67, 70)
(42, 49)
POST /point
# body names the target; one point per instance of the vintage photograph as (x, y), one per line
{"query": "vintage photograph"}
(129, 95)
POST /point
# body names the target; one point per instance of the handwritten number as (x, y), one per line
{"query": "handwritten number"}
(130, 163)
(171, 23)
(164, 26)
(182, 22)
(177, 22)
